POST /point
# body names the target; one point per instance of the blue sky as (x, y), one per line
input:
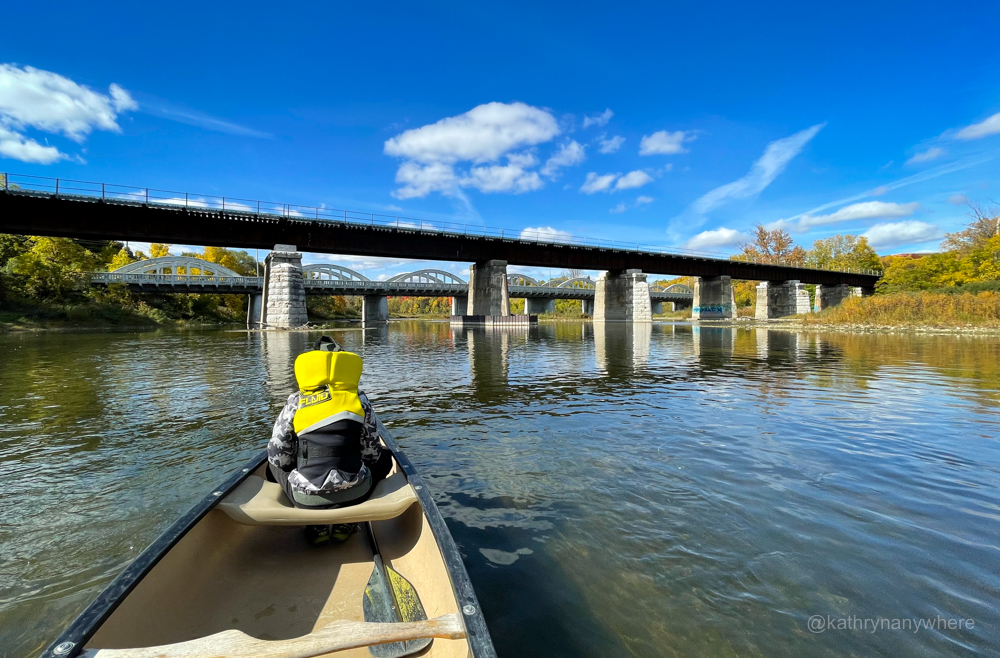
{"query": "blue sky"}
(681, 125)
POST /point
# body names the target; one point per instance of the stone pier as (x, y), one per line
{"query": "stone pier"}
(827, 296)
(713, 298)
(657, 307)
(374, 310)
(488, 294)
(460, 305)
(587, 307)
(622, 296)
(539, 306)
(284, 297)
(781, 299)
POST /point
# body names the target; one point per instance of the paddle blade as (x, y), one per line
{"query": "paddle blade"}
(385, 589)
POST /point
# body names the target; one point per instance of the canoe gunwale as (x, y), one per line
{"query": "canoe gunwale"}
(100, 609)
(477, 633)
(95, 614)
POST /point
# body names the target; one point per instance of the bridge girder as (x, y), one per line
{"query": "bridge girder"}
(90, 218)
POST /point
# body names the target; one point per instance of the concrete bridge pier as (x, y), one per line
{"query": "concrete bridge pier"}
(255, 310)
(460, 305)
(587, 307)
(713, 298)
(622, 296)
(827, 296)
(657, 307)
(284, 298)
(539, 306)
(781, 299)
(374, 310)
(488, 293)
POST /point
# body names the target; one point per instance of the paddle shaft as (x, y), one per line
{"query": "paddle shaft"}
(380, 568)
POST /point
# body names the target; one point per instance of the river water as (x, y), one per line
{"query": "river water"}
(664, 491)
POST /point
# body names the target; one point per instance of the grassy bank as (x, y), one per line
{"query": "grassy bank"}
(20, 316)
(980, 309)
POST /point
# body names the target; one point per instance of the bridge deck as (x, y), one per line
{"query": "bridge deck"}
(92, 217)
(180, 283)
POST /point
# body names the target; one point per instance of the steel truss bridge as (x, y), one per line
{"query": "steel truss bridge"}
(184, 274)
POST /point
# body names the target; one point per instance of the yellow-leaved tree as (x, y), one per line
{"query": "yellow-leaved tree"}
(157, 250)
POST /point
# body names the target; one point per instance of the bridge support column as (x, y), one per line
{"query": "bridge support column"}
(587, 307)
(827, 296)
(539, 306)
(779, 300)
(713, 298)
(488, 294)
(460, 305)
(622, 296)
(255, 308)
(284, 289)
(374, 310)
(657, 307)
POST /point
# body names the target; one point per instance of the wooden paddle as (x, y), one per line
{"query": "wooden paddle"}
(390, 598)
(336, 636)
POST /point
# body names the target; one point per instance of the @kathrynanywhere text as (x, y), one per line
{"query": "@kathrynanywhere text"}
(822, 623)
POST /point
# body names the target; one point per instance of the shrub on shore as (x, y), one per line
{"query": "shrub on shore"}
(981, 309)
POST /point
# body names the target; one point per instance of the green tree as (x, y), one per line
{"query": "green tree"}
(843, 252)
(121, 259)
(53, 268)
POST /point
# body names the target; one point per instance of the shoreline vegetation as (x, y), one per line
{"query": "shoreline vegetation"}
(43, 285)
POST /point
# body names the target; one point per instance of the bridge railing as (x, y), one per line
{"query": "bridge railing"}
(146, 196)
(178, 279)
(347, 287)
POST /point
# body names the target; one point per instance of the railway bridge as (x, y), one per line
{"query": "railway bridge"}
(35, 205)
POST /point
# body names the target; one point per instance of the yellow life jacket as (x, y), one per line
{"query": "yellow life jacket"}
(328, 390)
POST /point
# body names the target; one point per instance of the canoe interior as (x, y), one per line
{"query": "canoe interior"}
(267, 582)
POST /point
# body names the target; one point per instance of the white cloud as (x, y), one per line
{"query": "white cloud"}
(599, 120)
(481, 136)
(644, 200)
(512, 177)
(908, 232)
(958, 199)
(990, 126)
(864, 210)
(420, 180)
(614, 182)
(545, 234)
(18, 147)
(776, 157)
(610, 145)
(621, 207)
(595, 183)
(720, 237)
(932, 153)
(665, 143)
(569, 154)
(633, 179)
(31, 98)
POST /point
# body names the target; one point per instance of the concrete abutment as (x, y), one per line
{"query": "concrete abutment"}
(781, 299)
(488, 293)
(374, 310)
(827, 296)
(713, 298)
